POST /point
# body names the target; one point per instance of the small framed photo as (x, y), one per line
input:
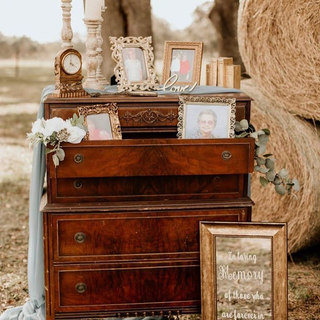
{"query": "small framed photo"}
(102, 121)
(134, 70)
(184, 60)
(206, 117)
(244, 270)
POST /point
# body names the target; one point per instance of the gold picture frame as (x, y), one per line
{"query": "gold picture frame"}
(102, 121)
(244, 271)
(184, 59)
(201, 117)
(134, 70)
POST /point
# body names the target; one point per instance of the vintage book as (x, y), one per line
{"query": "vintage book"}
(223, 62)
(209, 74)
(233, 76)
(214, 67)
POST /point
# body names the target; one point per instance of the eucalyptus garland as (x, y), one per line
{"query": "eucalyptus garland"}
(264, 162)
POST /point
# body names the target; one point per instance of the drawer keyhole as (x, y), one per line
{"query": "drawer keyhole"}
(226, 155)
(78, 184)
(81, 287)
(78, 158)
(79, 237)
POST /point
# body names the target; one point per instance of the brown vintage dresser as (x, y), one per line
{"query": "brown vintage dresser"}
(121, 223)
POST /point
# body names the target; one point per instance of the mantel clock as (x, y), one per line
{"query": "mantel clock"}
(68, 74)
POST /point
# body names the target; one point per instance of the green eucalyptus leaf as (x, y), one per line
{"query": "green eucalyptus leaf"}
(252, 128)
(254, 135)
(238, 127)
(266, 131)
(296, 186)
(268, 155)
(264, 181)
(244, 124)
(55, 160)
(260, 169)
(261, 149)
(283, 173)
(263, 139)
(270, 175)
(243, 134)
(60, 154)
(260, 161)
(280, 189)
(270, 164)
(277, 180)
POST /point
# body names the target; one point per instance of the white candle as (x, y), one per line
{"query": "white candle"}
(102, 4)
(93, 10)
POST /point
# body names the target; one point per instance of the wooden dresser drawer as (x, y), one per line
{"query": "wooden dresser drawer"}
(127, 287)
(171, 157)
(132, 236)
(148, 188)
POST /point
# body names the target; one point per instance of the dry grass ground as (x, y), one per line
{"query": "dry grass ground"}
(19, 98)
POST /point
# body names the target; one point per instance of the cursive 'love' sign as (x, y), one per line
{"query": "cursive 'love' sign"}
(169, 85)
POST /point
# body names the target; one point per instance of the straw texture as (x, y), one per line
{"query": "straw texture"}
(279, 42)
(295, 145)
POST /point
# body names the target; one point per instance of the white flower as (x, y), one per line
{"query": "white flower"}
(53, 125)
(38, 126)
(76, 134)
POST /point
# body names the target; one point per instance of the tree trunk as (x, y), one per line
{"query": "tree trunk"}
(224, 16)
(124, 18)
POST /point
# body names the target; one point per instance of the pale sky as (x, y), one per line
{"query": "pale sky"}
(41, 20)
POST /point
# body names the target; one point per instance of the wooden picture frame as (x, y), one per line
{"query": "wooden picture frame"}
(244, 272)
(219, 115)
(184, 59)
(134, 59)
(102, 121)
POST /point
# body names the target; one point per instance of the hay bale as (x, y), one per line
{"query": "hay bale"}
(279, 44)
(295, 146)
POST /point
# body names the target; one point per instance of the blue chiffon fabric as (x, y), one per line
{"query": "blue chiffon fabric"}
(34, 309)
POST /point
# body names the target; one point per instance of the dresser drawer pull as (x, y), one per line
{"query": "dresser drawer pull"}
(226, 155)
(81, 287)
(78, 184)
(78, 158)
(80, 237)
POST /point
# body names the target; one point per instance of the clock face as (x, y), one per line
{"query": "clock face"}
(71, 63)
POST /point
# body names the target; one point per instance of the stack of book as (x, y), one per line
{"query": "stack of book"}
(222, 72)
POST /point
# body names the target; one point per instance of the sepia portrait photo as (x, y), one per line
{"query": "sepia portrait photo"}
(206, 118)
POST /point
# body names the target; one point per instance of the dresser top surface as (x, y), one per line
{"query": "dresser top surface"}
(103, 98)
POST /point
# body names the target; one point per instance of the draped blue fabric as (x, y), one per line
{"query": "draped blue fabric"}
(34, 309)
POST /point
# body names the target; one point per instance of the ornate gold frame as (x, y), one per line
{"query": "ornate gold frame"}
(111, 109)
(205, 100)
(181, 45)
(117, 45)
(277, 268)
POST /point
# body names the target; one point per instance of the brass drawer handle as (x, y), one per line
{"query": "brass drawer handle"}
(80, 237)
(78, 184)
(81, 287)
(78, 158)
(226, 155)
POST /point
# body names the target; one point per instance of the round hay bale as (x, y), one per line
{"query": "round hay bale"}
(279, 45)
(295, 145)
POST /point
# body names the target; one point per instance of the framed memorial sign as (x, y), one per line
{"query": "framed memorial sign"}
(244, 272)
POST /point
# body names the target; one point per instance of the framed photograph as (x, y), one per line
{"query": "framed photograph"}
(206, 117)
(244, 272)
(184, 60)
(134, 70)
(102, 121)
